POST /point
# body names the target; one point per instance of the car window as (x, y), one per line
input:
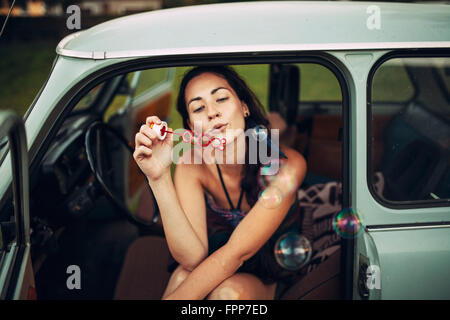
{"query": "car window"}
(148, 79)
(318, 83)
(410, 138)
(444, 77)
(140, 83)
(257, 78)
(392, 83)
(88, 99)
(120, 99)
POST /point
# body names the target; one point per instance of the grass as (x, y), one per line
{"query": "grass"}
(24, 68)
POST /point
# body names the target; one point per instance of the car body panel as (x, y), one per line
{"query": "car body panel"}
(281, 26)
(402, 255)
(414, 263)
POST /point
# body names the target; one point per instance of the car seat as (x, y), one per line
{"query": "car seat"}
(414, 163)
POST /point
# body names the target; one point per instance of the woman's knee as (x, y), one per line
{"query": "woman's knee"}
(230, 289)
(179, 275)
(241, 286)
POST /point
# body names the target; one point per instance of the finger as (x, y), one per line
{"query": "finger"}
(142, 139)
(145, 130)
(152, 119)
(169, 131)
(142, 152)
(169, 137)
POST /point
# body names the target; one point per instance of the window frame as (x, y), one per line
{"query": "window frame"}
(401, 205)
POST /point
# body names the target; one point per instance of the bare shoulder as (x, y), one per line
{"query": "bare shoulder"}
(187, 169)
(294, 159)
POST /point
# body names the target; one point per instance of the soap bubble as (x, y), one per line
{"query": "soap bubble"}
(347, 224)
(206, 139)
(271, 197)
(187, 136)
(259, 133)
(266, 174)
(285, 175)
(215, 143)
(292, 251)
(218, 143)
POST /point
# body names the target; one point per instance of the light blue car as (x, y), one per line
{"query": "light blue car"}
(362, 90)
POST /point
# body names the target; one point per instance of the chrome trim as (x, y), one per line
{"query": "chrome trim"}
(246, 48)
(22, 273)
(7, 269)
(368, 229)
(66, 40)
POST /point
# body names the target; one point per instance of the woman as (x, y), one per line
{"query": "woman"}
(220, 103)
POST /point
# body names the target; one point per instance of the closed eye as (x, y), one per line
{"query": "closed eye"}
(222, 99)
(199, 109)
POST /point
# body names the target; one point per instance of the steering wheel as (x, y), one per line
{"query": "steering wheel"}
(102, 142)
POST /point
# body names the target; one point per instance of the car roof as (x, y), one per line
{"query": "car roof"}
(264, 26)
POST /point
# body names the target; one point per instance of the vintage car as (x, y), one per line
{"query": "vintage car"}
(362, 90)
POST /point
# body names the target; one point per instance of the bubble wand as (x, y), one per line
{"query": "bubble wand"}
(187, 136)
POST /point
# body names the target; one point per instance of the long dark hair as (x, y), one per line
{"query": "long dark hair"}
(256, 117)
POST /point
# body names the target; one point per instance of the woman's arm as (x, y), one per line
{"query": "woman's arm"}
(248, 237)
(184, 226)
(183, 214)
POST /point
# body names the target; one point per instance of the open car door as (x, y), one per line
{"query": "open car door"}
(16, 272)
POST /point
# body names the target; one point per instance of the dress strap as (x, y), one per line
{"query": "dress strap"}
(226, 192)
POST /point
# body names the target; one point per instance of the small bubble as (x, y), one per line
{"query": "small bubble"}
(206, 139)
(187, 136)
(346, 223)
(259, 133)
(215, 143)
(266, 174)
(287, 178)
(271, 197)
(292, 251)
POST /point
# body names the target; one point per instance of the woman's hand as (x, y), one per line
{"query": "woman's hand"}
(152, 155)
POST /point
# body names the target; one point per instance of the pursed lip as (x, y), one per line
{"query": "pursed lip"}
(219, 127)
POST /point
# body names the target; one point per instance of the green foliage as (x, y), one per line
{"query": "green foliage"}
(24, 70)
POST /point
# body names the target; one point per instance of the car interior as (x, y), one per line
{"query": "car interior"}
(92, 207)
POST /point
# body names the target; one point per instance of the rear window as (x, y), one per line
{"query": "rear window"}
(409, 137)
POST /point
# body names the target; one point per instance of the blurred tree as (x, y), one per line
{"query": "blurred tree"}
(64, 3)
(20, 3)
(23, 3)
(182, 3)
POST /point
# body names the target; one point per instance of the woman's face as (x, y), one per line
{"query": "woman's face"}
(214, 107)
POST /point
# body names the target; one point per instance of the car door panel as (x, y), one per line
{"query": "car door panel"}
(414, 263)
(16, 272)
(404, 249)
